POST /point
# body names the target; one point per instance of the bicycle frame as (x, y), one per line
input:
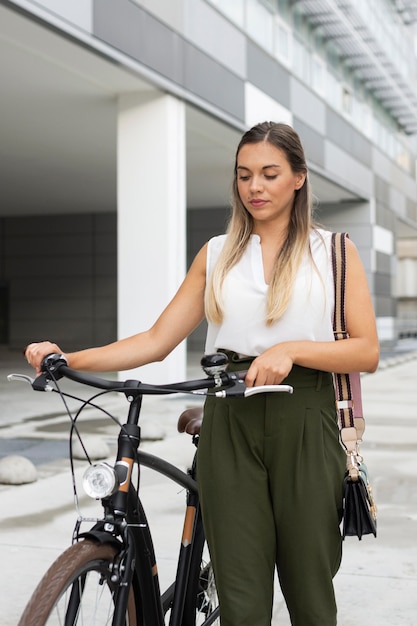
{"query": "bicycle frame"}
(125, 520)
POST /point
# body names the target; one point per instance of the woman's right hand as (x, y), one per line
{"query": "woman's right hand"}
(36, 352)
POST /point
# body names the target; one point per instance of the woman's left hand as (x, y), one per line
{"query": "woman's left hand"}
(270, 367)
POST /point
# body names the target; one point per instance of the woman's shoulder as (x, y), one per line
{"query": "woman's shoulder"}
(215, 244)
(320, 238)
(214, 248)
(320, 234)
(217, 241)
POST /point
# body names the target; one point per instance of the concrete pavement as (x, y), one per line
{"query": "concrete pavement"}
(377, 583)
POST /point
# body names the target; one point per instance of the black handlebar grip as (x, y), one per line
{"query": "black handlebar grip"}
(52, 362)
(50, 369)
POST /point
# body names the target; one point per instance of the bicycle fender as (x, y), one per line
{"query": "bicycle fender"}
(101, 537)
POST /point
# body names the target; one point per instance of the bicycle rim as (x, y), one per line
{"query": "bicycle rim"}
(207, 599)
(77, 590)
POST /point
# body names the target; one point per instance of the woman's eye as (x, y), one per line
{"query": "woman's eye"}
(243, 177)
(270, 177)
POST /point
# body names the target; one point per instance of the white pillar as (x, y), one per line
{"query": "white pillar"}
(151, 206)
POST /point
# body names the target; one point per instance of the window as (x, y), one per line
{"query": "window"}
(301, 61)
(333, 90)
(318, 75)
(233, 9)
(346, 101)
(282, 42)
(259, 24)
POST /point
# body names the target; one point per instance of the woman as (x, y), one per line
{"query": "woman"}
(270, 467)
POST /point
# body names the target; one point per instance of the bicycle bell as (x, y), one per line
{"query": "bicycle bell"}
(214, 365)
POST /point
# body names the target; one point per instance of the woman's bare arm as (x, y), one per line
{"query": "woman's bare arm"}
(176, 322)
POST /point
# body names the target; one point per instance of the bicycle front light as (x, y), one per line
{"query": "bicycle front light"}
(100, 481)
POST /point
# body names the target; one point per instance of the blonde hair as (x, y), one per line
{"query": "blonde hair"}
(240, 228)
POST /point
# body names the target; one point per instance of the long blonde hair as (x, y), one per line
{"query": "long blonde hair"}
(240, 228)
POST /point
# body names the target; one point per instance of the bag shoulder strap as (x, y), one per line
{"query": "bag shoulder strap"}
(348, 386)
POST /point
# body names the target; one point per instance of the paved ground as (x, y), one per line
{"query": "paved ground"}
(377, 583)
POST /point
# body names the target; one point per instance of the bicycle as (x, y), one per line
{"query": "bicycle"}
(109, 574)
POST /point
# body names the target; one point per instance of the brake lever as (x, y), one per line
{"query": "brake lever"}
(20, 378)
(239, 390)
(251, 391)
(41, 383)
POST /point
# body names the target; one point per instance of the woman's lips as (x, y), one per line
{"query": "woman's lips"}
(257, 202)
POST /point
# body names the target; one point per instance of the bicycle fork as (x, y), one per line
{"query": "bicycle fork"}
(139, 547)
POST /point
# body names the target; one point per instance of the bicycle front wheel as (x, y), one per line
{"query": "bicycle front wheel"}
(77, 590)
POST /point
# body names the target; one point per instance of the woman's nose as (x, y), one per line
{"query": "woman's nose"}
(255, 183)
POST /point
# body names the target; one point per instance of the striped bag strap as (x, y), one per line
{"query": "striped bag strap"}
(347, 386)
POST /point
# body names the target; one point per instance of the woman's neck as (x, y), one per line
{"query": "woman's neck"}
(271, 234)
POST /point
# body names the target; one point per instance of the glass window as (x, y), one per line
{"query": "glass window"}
(301, 61)
(366, 121)
(284, 8)
(259, 24)
(346, 101)
(333, 90)
(233, 9)
(282, 42)
(318, 75)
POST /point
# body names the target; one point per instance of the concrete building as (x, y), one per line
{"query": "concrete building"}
(119, 121)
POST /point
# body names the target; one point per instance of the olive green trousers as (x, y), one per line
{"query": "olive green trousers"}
(270, 471)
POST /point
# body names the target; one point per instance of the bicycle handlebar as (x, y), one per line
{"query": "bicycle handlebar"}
(54, 366)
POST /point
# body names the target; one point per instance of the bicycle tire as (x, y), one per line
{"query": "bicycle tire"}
(86, 564)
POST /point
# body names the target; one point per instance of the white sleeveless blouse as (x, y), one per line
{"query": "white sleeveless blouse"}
(309, 315)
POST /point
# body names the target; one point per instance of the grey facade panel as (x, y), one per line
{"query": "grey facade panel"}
(385, 306)
(130, 29)
(77, 12)
(121, 25)
(307, 106)
(341, 133)
(163, 50)
(381, 191)
(268, 75)
(348, 169)
(383, 263)
(382, 165)
(211, 32)
(397, 201)
(385, 217)
(383, 286)
(312, 141)
(213, 82)
(411, 210)
(361, 234)
(138, 34)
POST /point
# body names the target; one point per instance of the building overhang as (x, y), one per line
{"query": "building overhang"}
(341, 23)
(407, 10)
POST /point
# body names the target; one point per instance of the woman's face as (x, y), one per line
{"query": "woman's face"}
(266, 183)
